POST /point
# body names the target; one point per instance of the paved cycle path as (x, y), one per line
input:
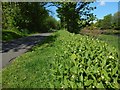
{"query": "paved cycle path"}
(11, 50)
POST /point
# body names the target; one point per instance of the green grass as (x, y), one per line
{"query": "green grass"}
(8, 35)
(31, 69)
(12, 34)
(112, 40)
(63, 55)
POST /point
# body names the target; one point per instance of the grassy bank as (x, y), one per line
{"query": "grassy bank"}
(12, 34)
(112, 40)
(65, 60)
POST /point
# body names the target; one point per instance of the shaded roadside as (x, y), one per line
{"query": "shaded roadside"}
(11, 50)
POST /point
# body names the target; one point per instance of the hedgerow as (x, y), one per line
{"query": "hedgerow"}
(84, 63)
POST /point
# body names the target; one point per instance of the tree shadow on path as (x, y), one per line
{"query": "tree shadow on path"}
(23, 43)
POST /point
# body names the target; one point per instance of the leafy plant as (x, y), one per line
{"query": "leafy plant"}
(65, 60)
(84, 63)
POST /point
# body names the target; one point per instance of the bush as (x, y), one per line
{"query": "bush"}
(84, 63)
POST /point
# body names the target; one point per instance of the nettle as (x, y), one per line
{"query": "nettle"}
(84, 63)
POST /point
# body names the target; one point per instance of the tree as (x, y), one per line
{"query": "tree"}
(33, 15)
(109, 22)
(9, 12)
(99, 23)
(75, 15)
(51, 23)
(106, 23)
(116, 21)
(24, 15)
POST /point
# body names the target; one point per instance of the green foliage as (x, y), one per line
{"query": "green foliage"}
(25, 15)
(111, 40)
(68, 61)
(24, 18)
(33, 16)
(75, 15)
(13, 33)
(31, 70)
(9, 14)
(51, 24)
(84, 63)
(109, 22)
(116, 21)
(106, 23)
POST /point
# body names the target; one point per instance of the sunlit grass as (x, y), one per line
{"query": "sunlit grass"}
(34, 69)
(112, 40)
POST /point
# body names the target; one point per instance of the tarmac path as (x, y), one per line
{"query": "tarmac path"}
(11, 50)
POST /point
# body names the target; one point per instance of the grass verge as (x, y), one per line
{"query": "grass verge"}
(112, 40)
(12, 34)
(65, 60)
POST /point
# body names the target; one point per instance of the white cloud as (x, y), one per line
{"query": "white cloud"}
(102, 3)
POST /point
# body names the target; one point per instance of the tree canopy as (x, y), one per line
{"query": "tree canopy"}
(33, 16)
(75, 15)
(26, 15)
(109, 22)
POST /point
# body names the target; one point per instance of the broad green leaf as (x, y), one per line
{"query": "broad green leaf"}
(87, 70)
(103, 62)
(106, 75)
(72, 84)
(100, 85)
(65, 81)
(80, 85)
(81, 78)
(114, 70)
(88, 82)
(73, 56)
(95, 83)
(74, 69)
(116, 84)
(51, 85)
(95, 69)
(93, 77)
(89, 62)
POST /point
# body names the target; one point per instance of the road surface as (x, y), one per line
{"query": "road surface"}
(11, 50)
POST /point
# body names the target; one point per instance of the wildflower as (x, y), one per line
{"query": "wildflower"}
(80, 65)
(106, 82)
(102, 77)
(110, 69)
(73, 76)
(111, 57)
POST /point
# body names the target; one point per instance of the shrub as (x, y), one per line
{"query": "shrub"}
(84, 63)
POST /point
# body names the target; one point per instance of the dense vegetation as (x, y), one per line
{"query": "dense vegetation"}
(109, 22)
(75, 15)
(111, 40)
(10, 35)
(26, 17)
(34, 16)
(65, 60)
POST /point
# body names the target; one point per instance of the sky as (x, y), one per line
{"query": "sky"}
(103, 9)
